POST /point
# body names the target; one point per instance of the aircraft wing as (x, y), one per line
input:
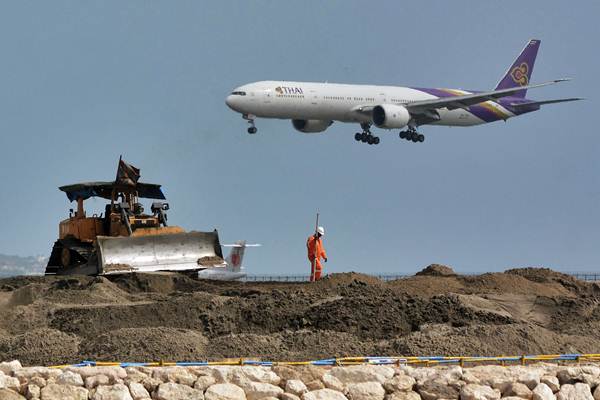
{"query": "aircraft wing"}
(542, 102)
(464, 101)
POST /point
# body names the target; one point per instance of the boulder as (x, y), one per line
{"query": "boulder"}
(295, 386)
(597, 393)
(479, 392)
(176, 375)
(517, 389)
(362, 373)
(331, 382)
(552, 382)
(92, 382)
(171, 391)
(578, 391)
(224, 391)
(204, 382)
(8, 367)
(365, 391)
(569, 375)
(114, 373)
(403, 396)
(288, 396)
(53, 391)
(114, 392)
(8, 382)
(530, 379)
(151, 384)
(7, 394)
(138, 391)
(254, 374)
(543, 392)
(25, 374)
(32, 392)
(38, 381)
(399, 383)
(260, 390)
(433, 390)
(134, 375)
(69, 378)
(315, 385)
(324, 394)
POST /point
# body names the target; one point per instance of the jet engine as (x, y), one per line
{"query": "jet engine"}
(390, 116)
(311, 125)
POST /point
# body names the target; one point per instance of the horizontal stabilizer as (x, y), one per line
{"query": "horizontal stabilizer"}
(542, 102)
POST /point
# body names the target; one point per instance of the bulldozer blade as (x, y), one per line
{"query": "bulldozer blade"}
(163, 252)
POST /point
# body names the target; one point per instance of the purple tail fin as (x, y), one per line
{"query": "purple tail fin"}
(519, 73)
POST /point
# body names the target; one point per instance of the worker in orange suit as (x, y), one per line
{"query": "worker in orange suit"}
(316, 251)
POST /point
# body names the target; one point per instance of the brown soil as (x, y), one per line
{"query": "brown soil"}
(148, 317)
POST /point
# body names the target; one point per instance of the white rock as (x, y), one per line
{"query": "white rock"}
(288, 396)
(204, 382)
(260, 390)
(7, 394)
(254, 374)
(114, 392)
(362, 373)
(175, 374)
(32, 392)
(433, 390)
(517, 389)
(365, 391)
(134, 375)
(138, 391)
(569, 375)
(172, 391)
(69, 378)
(224, 391)
(295, 386)
(114, 373)
(92, 381)
(531, 379)
(8, 367)
(221, 373)
(38, 381)
(597, 393)
(578, 391)
(543, 392)
(403, 396)
(53, 391)
(399, 383)
(324, 394)
(479, 392)
(331, 382)
(8, 382)
(24, 374)
(552, 382)
(151, 384)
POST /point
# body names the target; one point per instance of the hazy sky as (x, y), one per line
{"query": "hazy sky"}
(82, 82)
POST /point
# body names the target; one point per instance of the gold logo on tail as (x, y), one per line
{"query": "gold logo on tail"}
(519, 74)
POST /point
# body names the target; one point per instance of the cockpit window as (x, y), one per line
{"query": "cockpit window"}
(238, 93)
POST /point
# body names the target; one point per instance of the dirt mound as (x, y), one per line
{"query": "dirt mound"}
(50, 320)
(436, 270)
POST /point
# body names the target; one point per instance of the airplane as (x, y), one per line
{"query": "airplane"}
(313, 107)
(234, 269)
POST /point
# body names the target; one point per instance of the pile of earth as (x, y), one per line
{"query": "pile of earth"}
(148, 317)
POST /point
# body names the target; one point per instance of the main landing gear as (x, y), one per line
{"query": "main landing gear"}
(250, 118)
(366, 136)
(412, 135)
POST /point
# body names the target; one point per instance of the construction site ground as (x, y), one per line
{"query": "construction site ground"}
(171, 317)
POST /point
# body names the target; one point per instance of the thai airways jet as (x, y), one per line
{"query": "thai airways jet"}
(234, 269)
(313, 107)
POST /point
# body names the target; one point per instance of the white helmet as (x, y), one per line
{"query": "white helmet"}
(321, 231)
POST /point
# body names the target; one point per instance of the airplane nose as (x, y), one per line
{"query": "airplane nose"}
(229, 101)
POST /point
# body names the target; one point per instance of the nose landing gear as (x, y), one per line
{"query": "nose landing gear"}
(366, 136)
(250, 118)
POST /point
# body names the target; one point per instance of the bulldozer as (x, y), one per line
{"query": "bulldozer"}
(126, 239)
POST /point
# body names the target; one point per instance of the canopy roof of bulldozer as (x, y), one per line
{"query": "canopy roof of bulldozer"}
(105, 190)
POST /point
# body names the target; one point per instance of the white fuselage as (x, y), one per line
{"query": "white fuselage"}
(337, 102)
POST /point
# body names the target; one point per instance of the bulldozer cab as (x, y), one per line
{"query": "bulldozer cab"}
(123, 216)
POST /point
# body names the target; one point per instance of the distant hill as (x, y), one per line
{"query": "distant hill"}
(15, 265)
